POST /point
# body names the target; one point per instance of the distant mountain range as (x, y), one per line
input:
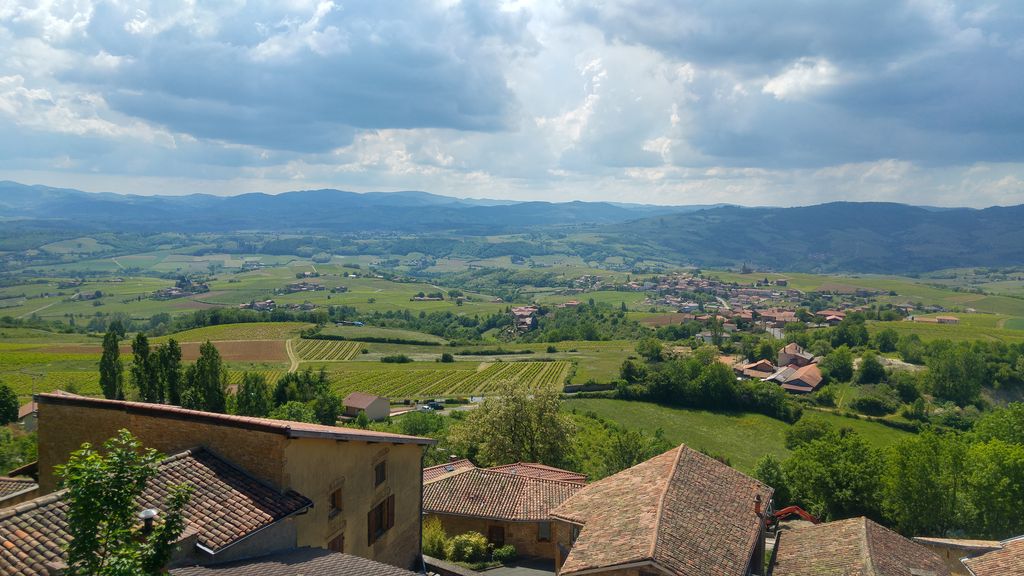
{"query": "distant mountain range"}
(839, 236)
(308, 210)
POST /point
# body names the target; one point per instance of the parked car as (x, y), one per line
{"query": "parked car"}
(424, 408)
(435, 405)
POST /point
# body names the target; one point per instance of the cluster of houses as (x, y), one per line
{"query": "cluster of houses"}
(303, 286)
(286, 498)
(796, 370)
(524, 318)
(184, 287)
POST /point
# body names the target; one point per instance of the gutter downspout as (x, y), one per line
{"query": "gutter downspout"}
(419, 541)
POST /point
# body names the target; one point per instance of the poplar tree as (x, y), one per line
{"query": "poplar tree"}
(111, 370)
(168, 357)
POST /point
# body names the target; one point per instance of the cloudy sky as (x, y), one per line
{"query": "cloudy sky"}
(673, 102)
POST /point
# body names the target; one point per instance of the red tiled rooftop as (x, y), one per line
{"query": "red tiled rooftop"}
(14, 486)
(535, 470)
(856, 546)
(287, 428)
(682, 510)
(490, 494)
(434, 472)
(226, 506)
(1007, 561)
(297, 562)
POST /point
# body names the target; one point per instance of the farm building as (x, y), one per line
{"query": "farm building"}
(377, 408)
(947, 319)
(509, 504)
(362, 487)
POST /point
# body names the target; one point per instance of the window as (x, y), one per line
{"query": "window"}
(337, 544)
(574, 533)
(380, 519)
(336, 503)
(380, 473)
(544, 532)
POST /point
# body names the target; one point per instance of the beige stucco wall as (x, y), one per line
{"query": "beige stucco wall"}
(317, 467)
(951, 556)
(63, 429)
(522, 535)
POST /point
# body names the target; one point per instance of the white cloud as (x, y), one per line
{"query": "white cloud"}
(802, 78)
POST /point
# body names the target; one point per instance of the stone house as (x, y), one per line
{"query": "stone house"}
(509, 504)
(679, 513)
(364, 486)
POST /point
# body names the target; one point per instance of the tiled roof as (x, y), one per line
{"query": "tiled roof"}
(853, 547)
(26, 409)
(489, 494)
(359, 400)
(13, 486)
(298, 562)
(535, 470)
(435, 472)
(287, 428)
(683, 511)
(226, 505)
(1007, 561)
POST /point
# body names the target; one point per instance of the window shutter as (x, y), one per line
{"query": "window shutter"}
(391, 511)
(370, 528)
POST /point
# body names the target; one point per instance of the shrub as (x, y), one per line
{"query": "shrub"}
(434, 538)
(873, 405)
(468, 547)
(396, 359)
(552, 349)
(506, 553)
(447, 357)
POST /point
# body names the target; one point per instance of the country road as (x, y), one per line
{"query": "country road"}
(291, 355)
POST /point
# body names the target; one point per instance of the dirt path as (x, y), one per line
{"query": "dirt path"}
(37, 310)
(118, 263)
(291, 355)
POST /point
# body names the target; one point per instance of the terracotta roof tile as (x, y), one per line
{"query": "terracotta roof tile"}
(434, 472)
(13, 486)
(535, 470)
(1007, 561)
(298, 562)
(489, 494)
(682, 510)
(226, 505)
(853, 547)
(359, 400)
(287, 428)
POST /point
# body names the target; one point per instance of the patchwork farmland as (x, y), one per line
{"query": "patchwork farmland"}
(327, 350)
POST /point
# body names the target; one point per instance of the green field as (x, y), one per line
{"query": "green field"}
(742, 438)
(971, 327)
(416, 380)
(373, 332)
(246, 331)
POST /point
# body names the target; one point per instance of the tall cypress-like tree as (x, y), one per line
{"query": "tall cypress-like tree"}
(168, 357)
(111, 370)
(145, 371)
(206, 382)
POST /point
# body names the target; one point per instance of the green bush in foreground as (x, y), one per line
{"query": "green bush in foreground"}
(506, 553)
(434, 538)
(468, 547)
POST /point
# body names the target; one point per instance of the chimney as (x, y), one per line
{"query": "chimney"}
(452, 458)
(757, 505)
(148, 516)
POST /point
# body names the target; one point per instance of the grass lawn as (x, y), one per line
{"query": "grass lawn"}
(743, 438)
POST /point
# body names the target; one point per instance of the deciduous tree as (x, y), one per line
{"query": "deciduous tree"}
(103, 491)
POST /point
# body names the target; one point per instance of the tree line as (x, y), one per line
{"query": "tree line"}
(936, 483)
